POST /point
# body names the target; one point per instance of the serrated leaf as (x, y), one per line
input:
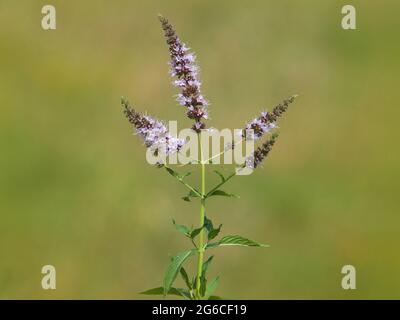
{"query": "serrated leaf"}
(172, 291)
(235, 240)
(181, 228)
(185, 277)
(174, 267)
(220, 175)
(211, 286)
(222, 193)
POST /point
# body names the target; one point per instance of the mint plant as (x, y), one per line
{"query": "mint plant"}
(159, 141)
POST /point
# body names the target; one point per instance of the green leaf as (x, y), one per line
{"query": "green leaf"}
(203, 285)
(208, 224)
(203, 279)
(184, 175)
(172, 291)
(195, 232)
(235, 240)
(220, 175)
(174, 267)
(222, 193)
(181, 228)
(172, 172)
(194, 280)
(214, 232)
(185, 277)
(215, 298)
(179, 176)
(207, 264)
(211, 286)
(191, 194)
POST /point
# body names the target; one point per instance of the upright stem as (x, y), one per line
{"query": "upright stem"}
(202, 215)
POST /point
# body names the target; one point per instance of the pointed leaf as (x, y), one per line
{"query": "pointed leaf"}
(236, 240)
(160, 291)
(208, 224)
(214, 232)
(184, 175)
(222, 193)
(181, 228)
(191, 194)
(203, 285)
(203, 278)
(185, 277)
(172, 172)
(211, 286)
(174, 267)
(195, 232)
(220, 175)
(207, 264)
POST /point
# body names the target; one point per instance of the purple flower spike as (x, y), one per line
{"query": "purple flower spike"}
(267, 121)
(153, 132)
(183, 67)
(255, 159)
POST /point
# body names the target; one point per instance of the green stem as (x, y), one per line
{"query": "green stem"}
(202, 215)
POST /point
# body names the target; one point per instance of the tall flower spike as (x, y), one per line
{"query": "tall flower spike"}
(267, 121)
(153, 132)
(254, 160)
(184, 69)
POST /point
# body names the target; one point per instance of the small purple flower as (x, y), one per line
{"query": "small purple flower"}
(153, 132)
(183, 67)
(266, 121)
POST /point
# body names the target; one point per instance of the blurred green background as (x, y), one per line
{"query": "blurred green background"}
(76, 191)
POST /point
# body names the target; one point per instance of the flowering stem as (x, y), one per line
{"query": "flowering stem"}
(202, 215)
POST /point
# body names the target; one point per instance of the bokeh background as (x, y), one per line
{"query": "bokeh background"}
(76, 191)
